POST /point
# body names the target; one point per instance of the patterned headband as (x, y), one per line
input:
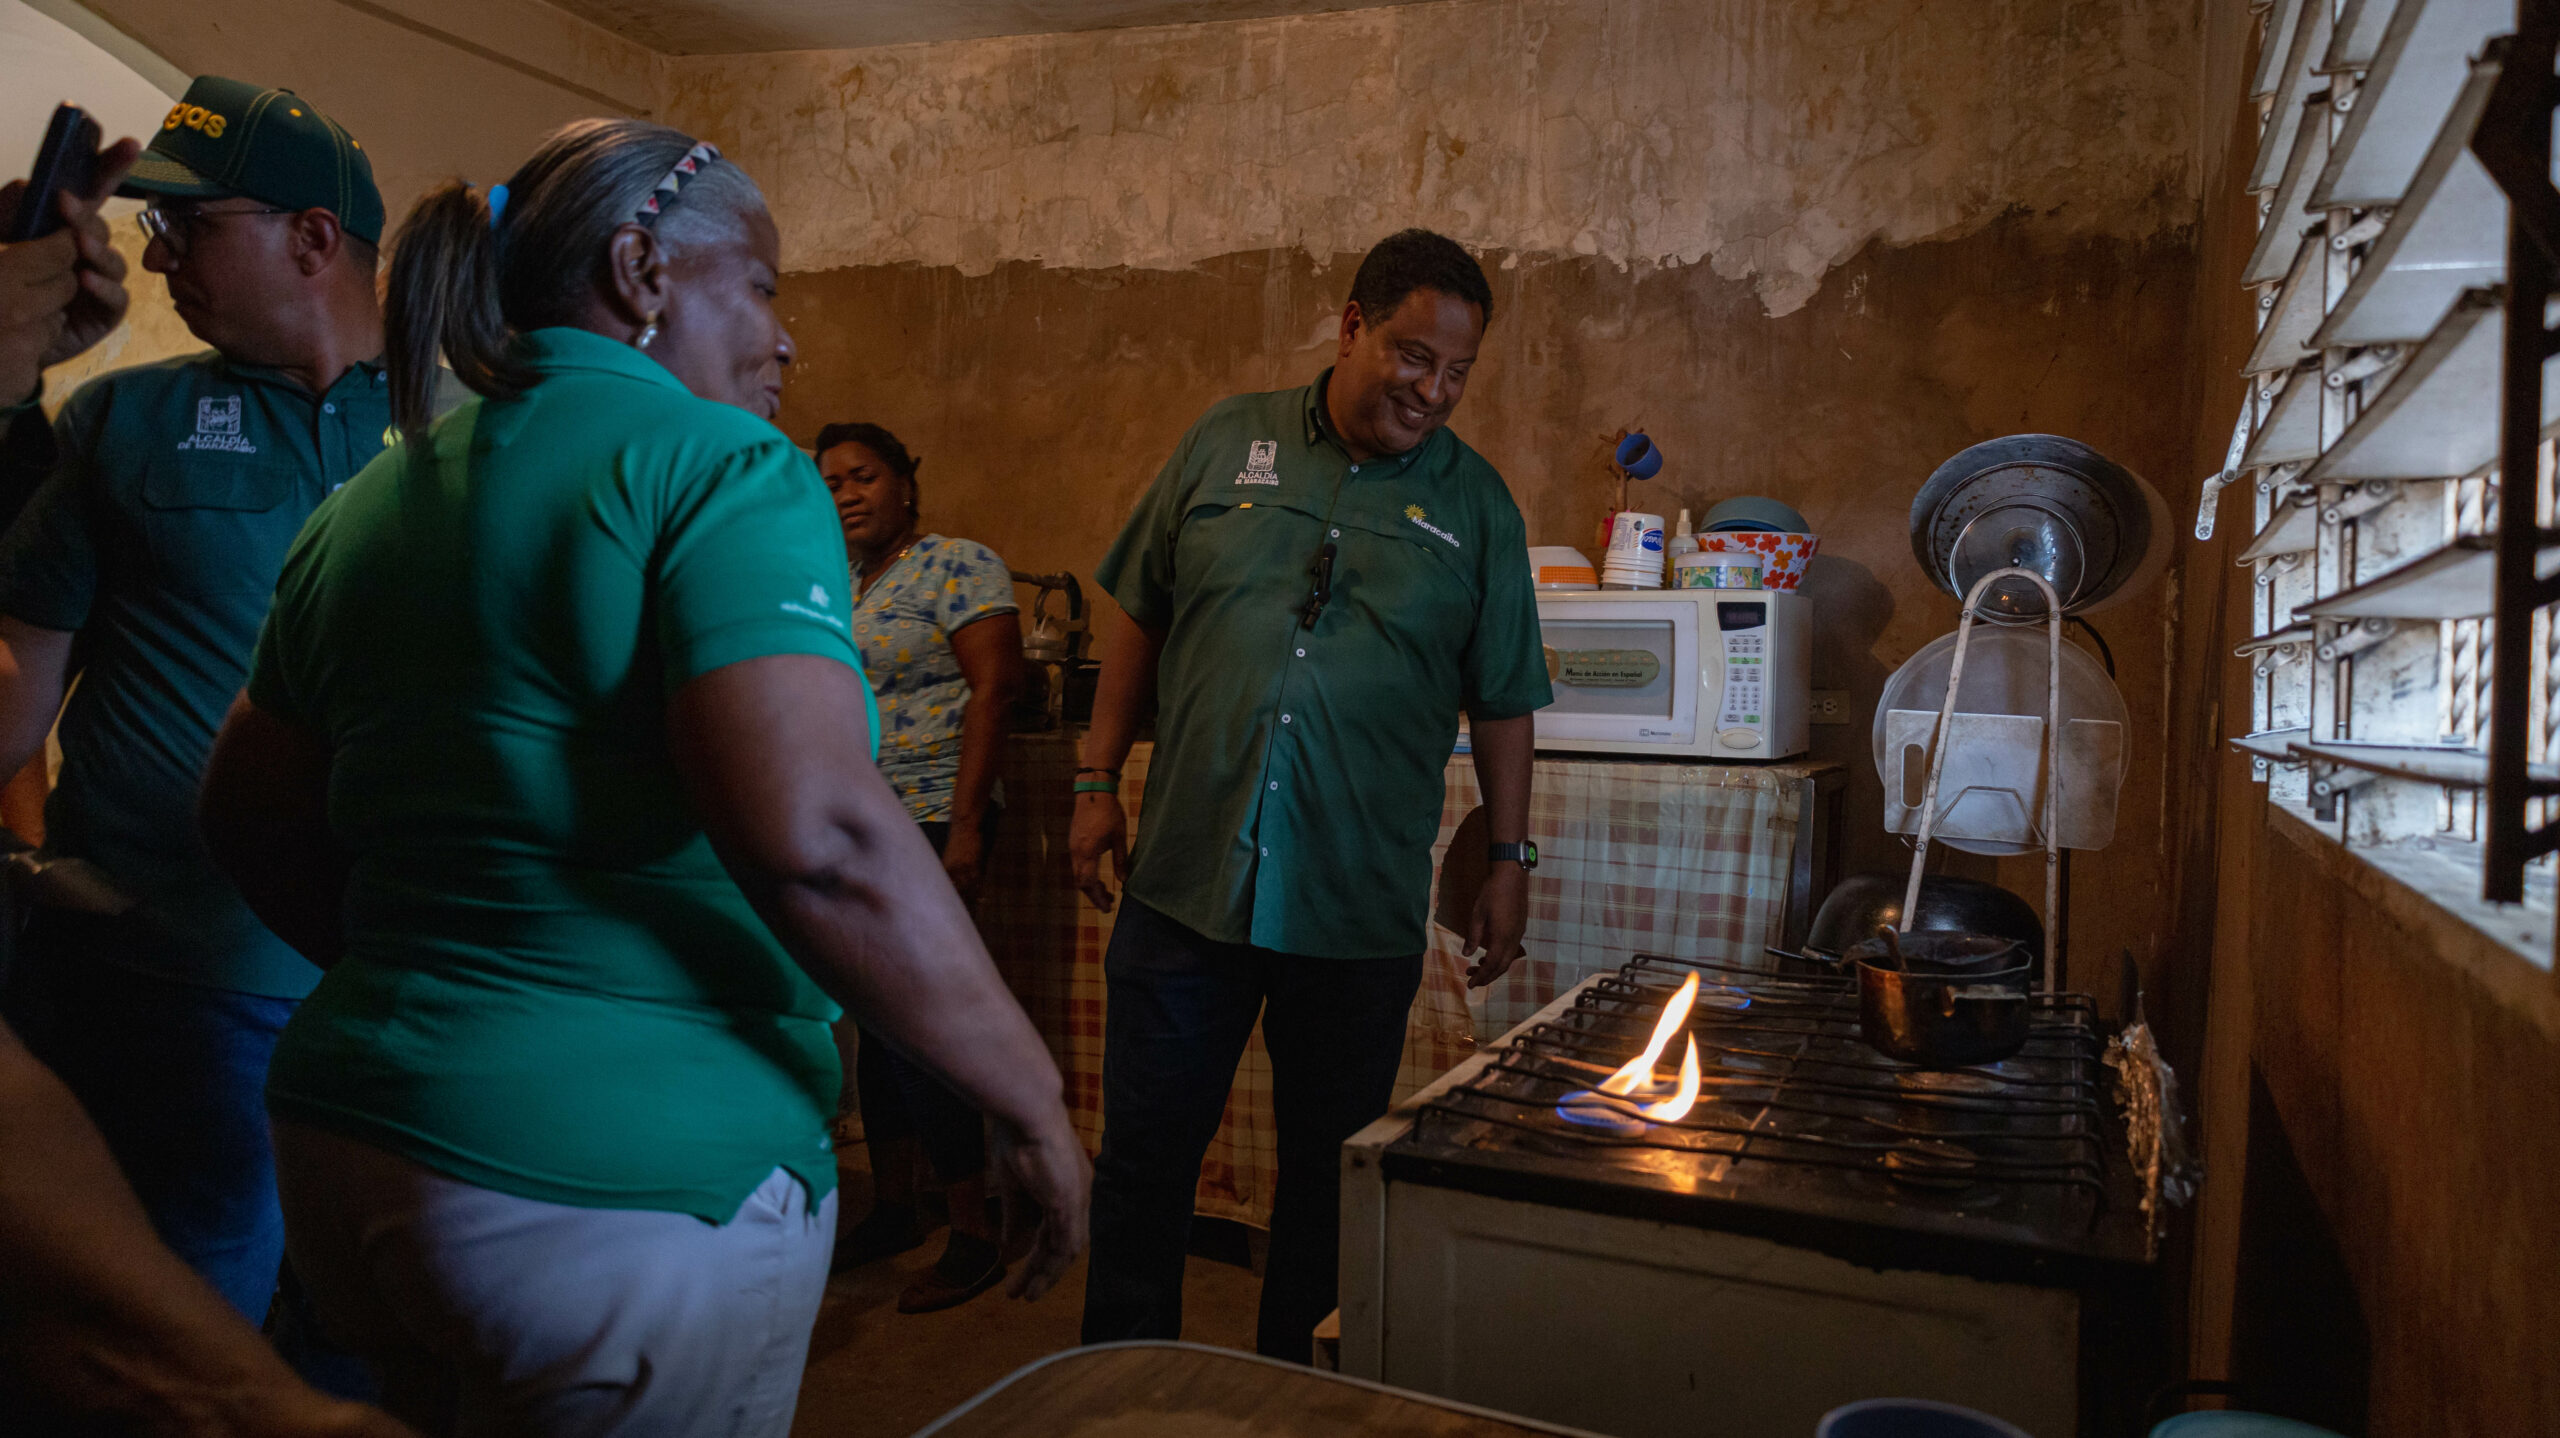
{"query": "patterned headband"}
(665, 191)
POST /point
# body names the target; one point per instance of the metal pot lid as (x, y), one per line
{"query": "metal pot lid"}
(2042, 502)
(2025, 535)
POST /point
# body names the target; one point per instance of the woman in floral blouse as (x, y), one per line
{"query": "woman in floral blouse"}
(942, 645)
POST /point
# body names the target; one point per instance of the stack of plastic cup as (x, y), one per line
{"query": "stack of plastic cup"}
(1634, 558)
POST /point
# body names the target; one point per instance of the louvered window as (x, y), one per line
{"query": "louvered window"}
(2368, 449)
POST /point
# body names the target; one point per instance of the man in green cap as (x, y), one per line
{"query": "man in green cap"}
(163, 498)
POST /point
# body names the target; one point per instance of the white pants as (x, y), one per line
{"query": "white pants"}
(497, 1315)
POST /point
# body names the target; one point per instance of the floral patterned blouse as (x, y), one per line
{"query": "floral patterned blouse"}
(903, 626)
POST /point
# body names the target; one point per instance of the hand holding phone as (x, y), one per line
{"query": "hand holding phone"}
(66, 164)
(64, 291)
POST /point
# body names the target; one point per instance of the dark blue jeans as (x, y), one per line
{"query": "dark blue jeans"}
(174, 1075)
(1181, 1009)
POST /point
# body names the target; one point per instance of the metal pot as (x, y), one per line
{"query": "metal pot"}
(1943, 1000)
(1861, 903)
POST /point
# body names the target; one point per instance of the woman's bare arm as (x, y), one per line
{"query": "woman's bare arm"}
(778, 768)
(990, 655)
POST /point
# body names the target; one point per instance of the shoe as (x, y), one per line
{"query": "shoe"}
(884, 1231)
(967, 1268)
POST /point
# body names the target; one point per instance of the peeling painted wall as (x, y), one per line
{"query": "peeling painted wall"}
(1814, 249)
(433, 88)
(1770, 139)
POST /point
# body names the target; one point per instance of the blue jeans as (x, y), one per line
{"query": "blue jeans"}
(174, 1075)
(1181, 1009)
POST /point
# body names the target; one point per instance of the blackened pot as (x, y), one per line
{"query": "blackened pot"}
(1941, 1020)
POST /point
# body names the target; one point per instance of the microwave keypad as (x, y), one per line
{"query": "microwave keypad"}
(1745, 671)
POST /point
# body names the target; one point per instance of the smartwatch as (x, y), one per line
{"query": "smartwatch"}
(1523, 854)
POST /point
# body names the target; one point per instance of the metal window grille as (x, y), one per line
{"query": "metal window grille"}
(2405, 693)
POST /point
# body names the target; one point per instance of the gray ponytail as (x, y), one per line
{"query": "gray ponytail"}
(460, 287)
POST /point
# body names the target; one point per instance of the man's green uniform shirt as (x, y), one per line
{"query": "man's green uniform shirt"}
(1295, 790)
(552, 987)
(171, 493)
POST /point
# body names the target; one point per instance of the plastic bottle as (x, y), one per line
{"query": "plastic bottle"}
(1682, 541)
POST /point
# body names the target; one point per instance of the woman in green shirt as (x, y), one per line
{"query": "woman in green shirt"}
(543, 760)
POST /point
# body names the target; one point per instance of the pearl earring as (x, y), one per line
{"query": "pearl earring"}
(647, 334)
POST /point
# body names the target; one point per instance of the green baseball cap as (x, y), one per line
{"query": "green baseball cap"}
(231, 138)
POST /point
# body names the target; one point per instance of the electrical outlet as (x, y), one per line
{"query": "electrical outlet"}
(1830, 706)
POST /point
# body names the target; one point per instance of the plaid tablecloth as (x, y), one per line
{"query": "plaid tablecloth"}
(1682, 859)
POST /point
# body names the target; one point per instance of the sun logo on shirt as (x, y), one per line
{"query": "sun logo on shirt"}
(1422, 520)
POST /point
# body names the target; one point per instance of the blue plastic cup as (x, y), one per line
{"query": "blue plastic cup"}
(1638, 457)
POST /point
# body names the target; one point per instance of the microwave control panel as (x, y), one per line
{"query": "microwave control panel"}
(1744, 627)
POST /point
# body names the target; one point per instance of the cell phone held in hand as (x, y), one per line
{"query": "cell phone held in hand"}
(67, 162)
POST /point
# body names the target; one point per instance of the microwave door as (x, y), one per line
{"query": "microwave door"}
(1620, 673)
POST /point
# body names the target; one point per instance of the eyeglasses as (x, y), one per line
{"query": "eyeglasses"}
(176, 225)
(1323, 594)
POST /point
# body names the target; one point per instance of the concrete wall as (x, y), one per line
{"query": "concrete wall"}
(1815, 249)
(2378, 1093)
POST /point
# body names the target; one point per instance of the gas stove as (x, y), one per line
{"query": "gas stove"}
(1801, 1130)
(1823, 1224)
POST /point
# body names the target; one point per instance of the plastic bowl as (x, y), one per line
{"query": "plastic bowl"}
(1782, 557)
(1715, 569)
(1752, 514)
(1561, 567)
(2236, 1425)
(1912, 1418)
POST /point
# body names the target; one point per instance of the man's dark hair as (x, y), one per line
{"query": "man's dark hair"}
(875, 439)
(1410, 260)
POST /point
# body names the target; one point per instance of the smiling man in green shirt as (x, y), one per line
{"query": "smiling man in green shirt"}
(1317, 585)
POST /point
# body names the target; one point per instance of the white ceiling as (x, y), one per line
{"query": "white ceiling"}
(716, 27)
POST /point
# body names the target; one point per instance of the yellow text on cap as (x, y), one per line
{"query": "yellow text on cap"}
(195, 117)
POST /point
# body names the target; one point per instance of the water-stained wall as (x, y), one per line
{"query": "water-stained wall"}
(1813, 248)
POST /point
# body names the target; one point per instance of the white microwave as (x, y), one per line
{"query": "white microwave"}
(1705, 673)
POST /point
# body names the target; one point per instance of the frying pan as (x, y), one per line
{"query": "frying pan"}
(1860, 902)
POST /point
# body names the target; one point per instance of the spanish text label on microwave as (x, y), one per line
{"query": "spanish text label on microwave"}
(1602, 668)
(1611, 666)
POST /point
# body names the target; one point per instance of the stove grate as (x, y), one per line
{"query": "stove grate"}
(1786, 1080)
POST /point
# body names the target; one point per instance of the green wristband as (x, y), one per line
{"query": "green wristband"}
(1096, 786)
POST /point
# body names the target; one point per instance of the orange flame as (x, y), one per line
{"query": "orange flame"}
(1639, 1070)
(1677, 1106)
